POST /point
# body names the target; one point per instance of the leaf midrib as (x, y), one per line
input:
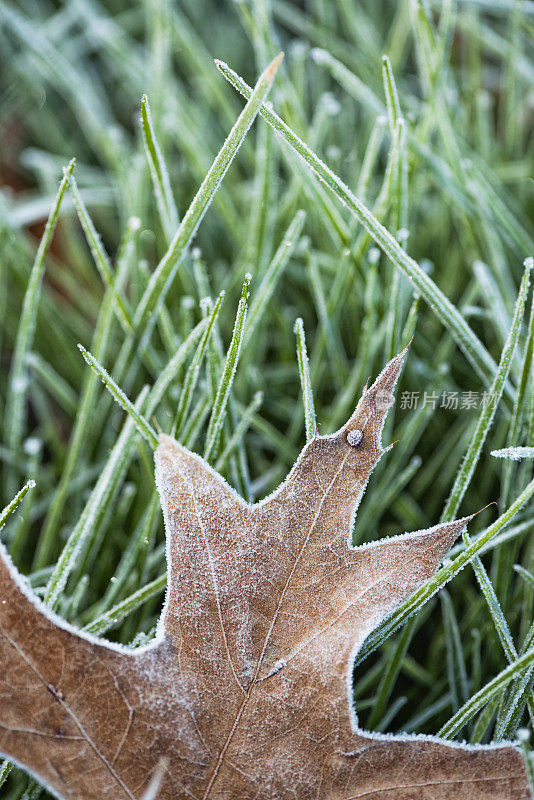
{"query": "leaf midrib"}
(254, 681)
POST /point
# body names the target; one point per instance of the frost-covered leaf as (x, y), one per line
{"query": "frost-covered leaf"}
(245, 693)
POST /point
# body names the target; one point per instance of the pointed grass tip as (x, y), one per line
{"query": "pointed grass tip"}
(272, 69)
(269, 72)
(68, 170)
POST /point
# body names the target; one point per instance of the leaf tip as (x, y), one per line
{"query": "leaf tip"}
(383, 387)
(409, 343)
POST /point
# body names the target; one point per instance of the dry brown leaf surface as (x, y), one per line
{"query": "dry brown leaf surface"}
(245, 694)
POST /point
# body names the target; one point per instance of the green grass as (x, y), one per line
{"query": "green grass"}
(384, 191)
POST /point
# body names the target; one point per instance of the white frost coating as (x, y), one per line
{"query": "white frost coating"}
(514, 453)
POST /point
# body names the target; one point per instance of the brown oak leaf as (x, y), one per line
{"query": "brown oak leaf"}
(246, 691)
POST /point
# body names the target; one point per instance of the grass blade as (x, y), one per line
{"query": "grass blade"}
(167, 375)
(241, 428)
(80, 539)
(305, 381)
(478, 700)
(10, 508)
(273, 274)
(142, 425)
(392, 95)
(487, 414)
(93, 510)
(514, 453)
(98, 251)
(113, 618)
(191, 377)
(17, 382)
(225, 384)
(158, 172)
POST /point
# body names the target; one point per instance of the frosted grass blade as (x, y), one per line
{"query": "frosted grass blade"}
(241, 428)
(478, 700)
(305, 381)
(169, 372)
(99, 346)
(158, 172)
(392, 95)
(98, 251)
(10, 508)
(93, 508)
(225, 384)
(191, 377)
(487, 414)
(17, 382)
(514, 453)
(273, 273)
(143, 426)
(113, 618)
